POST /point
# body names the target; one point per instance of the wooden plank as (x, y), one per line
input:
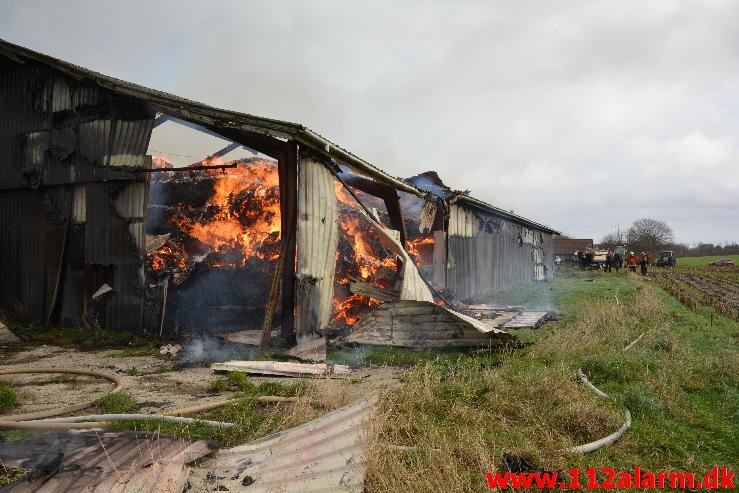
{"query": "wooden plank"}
(371, 291)
(279, 368)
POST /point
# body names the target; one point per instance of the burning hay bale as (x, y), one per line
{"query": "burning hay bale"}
(221, 234)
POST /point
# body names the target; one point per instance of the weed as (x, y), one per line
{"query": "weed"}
(219, 385)
(642, 402)
(14, 435)
(133, 371)
(117, 403)
(8, 398)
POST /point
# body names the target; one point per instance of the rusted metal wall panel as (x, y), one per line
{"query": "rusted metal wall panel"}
(317, 240)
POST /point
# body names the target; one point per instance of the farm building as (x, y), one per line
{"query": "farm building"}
(479, 249)
(98, 231)
(565, 248)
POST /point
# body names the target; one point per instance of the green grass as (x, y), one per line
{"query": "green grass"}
(8, 398)
(117, 403)
(391, 356)
(703, 261)
(680, 382)
(252, 419)
(82, 338)
(146, 351)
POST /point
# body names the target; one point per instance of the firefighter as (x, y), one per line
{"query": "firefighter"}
(618, 261)
(644, 262)
(631, 261)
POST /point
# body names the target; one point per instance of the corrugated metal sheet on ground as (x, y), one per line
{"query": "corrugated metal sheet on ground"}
(323, 455)
(99, 461)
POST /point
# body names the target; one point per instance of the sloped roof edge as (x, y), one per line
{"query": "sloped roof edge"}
(203, 113)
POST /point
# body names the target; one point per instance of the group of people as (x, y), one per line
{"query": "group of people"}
(616, 261)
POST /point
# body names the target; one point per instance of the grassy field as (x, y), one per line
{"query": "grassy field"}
(679, 382)
(703, 261)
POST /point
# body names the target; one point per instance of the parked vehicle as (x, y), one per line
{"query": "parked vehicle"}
(722, 262)
(666, 259)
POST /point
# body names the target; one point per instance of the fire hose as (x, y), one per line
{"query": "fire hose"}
(42, 419)
(607, 440)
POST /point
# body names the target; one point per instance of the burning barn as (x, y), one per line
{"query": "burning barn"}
(299, 234)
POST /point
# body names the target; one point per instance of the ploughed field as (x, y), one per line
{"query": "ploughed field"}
(717, 287)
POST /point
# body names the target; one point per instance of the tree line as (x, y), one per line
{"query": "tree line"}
(652, 236)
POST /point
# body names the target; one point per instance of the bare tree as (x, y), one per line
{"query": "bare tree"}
(611, 240)
(649, 235)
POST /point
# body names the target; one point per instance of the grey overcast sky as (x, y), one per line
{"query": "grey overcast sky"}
(582, 115)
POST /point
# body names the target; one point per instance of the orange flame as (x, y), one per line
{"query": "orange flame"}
(240, 220)
(422, 249)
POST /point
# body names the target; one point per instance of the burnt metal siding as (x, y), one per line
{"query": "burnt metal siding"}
(487, 254)
(69, 154)
(108, 242)
(31, 238)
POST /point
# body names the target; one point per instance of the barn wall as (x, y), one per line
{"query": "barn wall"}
(487, 254)
(72, 198)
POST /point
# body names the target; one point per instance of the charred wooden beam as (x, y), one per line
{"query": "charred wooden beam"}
(188, 168)
(288, 172)
(371, 291)
(386, 193)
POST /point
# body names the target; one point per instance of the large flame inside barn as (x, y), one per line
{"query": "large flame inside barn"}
(219, 232)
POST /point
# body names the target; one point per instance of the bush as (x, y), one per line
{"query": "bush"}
(8, 398)
(117, 403)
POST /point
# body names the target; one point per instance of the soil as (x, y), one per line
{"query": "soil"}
(151, 381)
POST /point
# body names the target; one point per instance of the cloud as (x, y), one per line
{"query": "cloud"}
(582, 115)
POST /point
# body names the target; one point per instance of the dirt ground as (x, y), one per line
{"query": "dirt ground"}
(151, 381)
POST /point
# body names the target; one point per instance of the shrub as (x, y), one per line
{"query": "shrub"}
(117, 403)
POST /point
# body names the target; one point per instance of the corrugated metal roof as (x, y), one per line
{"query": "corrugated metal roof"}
(208, 115)
(505, 214)
(124, 462)
(323, 455)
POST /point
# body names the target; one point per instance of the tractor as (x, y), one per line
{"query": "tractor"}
(666, 259)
